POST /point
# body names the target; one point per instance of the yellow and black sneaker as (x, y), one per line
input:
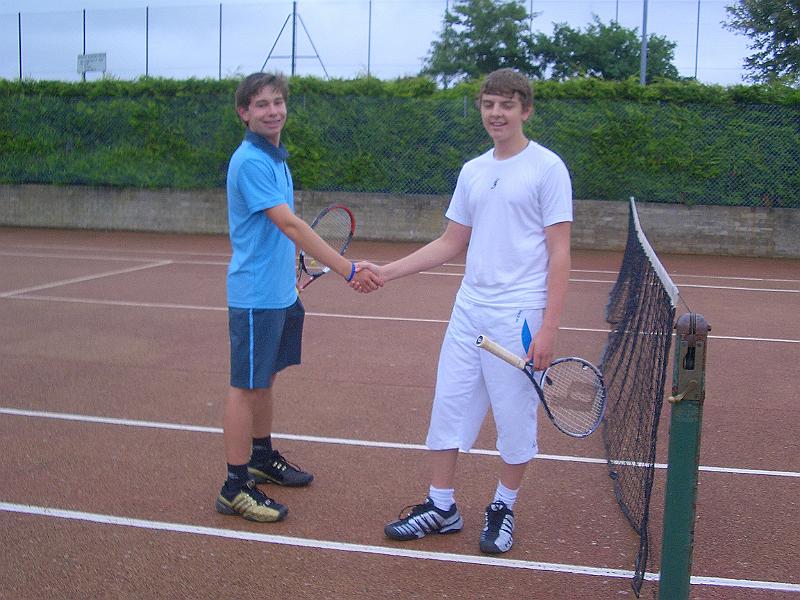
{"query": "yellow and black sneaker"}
(252, 504)
(276, 469)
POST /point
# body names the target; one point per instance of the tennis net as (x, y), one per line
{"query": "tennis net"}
(640, 312)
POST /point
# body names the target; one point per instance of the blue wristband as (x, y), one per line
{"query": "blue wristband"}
(352, 273)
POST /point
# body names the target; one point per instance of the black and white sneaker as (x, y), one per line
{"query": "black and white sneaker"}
(423, 519)
(497, 529)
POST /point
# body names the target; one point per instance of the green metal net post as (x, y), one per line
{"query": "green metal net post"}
(688, 394)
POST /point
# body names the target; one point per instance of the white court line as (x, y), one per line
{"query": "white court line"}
(751, 339)
(53, 284)
(77, 256)
(686, 276)
(118, 250)
(227, 255)
(738, 278)
(737, 289)
(338, 316)
(137, 259)
(697, 285)
(615, 273)
(682, 285)
(435, 273)
(448, 557)
(344, 441)
(312, 543)
(120, 303)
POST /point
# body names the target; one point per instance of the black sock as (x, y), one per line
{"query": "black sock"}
(237, 478)
(262, 449)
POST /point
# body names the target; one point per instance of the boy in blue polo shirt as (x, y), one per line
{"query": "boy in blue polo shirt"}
(265, 315)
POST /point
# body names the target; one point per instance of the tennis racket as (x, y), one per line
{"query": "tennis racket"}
(336, 225)
(571, 389)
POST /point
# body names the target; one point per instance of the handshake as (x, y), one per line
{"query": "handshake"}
(368, 277)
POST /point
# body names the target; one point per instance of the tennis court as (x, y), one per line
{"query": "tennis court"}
(114, 366)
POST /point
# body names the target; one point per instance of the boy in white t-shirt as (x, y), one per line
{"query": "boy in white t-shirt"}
(511, 212)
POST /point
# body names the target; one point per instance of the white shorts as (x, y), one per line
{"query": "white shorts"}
(469, 380)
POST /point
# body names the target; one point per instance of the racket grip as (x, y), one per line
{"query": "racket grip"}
(500, 352)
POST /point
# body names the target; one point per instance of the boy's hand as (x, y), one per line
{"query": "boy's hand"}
(367, 279)
(542, 349)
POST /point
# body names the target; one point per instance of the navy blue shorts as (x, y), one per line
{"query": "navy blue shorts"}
(263, 342)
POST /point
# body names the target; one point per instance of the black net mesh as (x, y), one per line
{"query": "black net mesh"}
(640, 312)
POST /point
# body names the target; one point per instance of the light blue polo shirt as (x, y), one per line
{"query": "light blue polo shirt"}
(261, 273)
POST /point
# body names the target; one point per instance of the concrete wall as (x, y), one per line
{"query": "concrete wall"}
(598, 224)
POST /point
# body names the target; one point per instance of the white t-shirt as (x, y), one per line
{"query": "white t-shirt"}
(508, 203)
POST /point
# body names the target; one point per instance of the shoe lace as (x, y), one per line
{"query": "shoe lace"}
(414, 509)
(495, 516)
(256, 494)
(279, 461)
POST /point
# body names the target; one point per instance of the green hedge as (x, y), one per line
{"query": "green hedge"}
(686, 91)
(668, 142)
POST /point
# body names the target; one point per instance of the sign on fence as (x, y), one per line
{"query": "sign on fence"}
(92, 62)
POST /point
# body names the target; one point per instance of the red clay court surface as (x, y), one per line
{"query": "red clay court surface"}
(114, 365)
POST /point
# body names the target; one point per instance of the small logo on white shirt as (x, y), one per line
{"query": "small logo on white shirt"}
(494, 185)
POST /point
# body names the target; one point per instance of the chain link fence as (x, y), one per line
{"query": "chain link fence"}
(332, 38)
(729, 154)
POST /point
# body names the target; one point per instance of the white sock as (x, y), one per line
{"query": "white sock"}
(503, 494)
(442, 499)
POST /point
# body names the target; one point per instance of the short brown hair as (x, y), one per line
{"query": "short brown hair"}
(252, 84)
(507, 82)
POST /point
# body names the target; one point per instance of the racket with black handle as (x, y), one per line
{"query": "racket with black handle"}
(336, 225)
(571, 389)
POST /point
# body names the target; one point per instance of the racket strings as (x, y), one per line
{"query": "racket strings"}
(574, 395)
(336, 228)
(313, 266)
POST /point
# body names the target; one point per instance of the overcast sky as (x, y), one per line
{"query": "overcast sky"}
(182, 39)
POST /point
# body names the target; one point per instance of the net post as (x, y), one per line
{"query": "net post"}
(688, 395)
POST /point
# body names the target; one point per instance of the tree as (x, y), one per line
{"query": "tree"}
(605, 51)
(479, 36)
(774, 29)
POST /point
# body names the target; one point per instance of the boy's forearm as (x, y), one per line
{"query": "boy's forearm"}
(306, 238)
(452, 242)
(560, 263)
(429, 256)
(557, 283)
(315, 246)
